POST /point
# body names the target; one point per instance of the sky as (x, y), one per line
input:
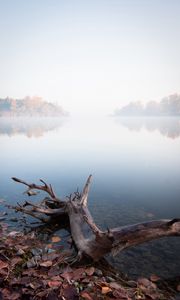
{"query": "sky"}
(90, 56)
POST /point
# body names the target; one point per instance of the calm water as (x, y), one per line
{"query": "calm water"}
(136, 174)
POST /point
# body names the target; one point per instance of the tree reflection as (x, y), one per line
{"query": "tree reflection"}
(31, 127)
(167, 126)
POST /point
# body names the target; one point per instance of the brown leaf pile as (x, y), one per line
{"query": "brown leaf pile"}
(32, 270)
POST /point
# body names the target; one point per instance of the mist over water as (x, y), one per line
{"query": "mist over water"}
(167, 126)
(135, 165)
(30, 127)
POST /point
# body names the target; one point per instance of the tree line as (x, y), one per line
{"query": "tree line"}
(29, 106)
(168, 106)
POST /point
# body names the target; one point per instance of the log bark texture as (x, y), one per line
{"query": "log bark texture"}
(90, 240)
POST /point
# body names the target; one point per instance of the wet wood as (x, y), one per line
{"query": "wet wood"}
(90, 240)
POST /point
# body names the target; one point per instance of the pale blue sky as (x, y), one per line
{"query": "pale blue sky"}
(90, 55)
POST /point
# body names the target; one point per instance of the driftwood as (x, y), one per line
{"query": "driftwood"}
(90, 240)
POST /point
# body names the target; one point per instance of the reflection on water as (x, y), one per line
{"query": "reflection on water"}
(31, 127)
(167, 126)
(135, 177)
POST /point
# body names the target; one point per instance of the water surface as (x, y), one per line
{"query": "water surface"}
(135, 165)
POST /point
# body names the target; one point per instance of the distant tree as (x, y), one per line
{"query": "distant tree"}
(29, 106)
(133, 108)
(168, 106)
(151, 108)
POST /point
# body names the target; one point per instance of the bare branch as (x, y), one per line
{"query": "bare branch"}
(47, 211)
(88, 219)
(85, 191)
(132, 235)
(29, 212)
(31, 186)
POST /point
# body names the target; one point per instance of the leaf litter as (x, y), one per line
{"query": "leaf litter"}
(30, 269)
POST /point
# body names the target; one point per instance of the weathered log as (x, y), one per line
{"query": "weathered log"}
(89, 239)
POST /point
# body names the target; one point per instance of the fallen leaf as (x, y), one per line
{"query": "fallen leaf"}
(52, 296)
(20, 252)
(3, 265)
(4, 272)
(70, 293)
(7, 294)
(25, 280)
(54, 283)
(54, 270)
(115, 285)
(67, 275)
(90, 271)
(50, 256)
(78, 273)
(144, 281)
(122, 295)
(56, 278)
(42, 293)
(14, 233)
(30, 272)
(47, 263)
(154, 278)
(55, 239)
(86, 296)
(15, 261)
(32, 285)
(105, 290)
(86, 280)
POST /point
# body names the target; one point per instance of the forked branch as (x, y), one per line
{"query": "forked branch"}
(32, 186)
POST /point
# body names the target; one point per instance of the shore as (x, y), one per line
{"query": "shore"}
(31, 268)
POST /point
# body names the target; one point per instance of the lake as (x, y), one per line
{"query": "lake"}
(135, 165)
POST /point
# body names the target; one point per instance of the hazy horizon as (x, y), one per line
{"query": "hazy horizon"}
(90, 56)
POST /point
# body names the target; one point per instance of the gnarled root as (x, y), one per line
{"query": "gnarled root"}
(88, 238)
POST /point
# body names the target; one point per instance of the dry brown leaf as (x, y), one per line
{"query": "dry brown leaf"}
(55, 239)
(56, 278)
(3, 265)
(4, 272)
(115, 285)
(120, 295)
(54, 283)
(32, 285)
(144, 281)
(47, 263)
(15, 261)
(54, 270)
(67, 275)
(90, 271)
(78, 273)
(7, 294)
(105, 290)
(14, 233)
(154, 278)
(69, 293)
(86, 296)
